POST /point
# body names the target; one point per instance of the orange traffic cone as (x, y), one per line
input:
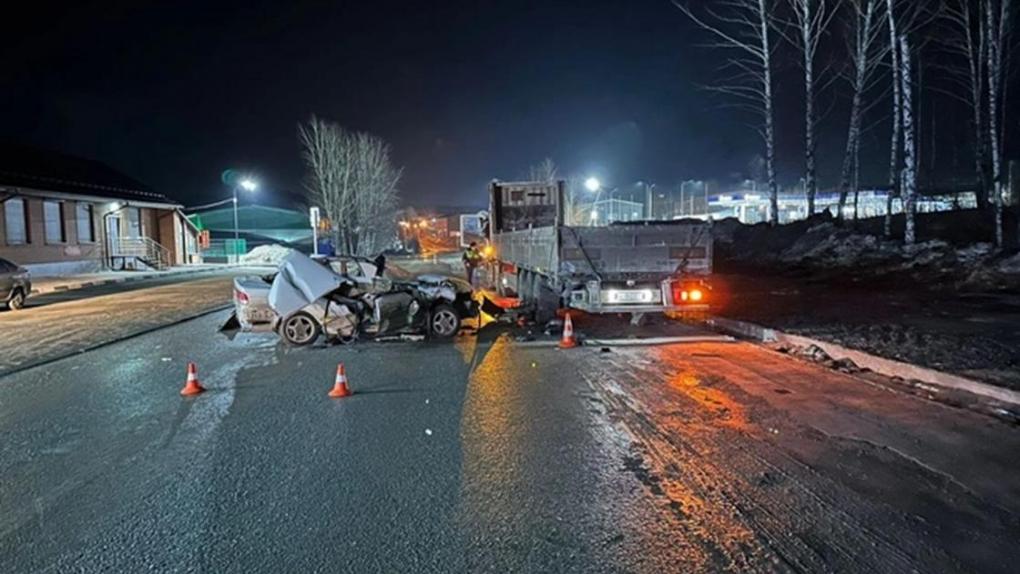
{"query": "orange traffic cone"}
(340, 389)
(192, 386)
(568, 341)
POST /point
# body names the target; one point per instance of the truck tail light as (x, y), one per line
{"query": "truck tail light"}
(686, 293)
(679, 294)
(241, 297)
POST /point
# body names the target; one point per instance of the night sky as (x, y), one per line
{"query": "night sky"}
(464, 91)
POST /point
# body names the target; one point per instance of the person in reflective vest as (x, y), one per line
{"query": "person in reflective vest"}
(472, 259)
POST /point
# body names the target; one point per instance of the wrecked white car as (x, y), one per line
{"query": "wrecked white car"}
(307, 299)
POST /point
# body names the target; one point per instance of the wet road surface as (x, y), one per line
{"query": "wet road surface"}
(486, 456)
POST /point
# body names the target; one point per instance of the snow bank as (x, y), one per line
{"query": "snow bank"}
(1010, 265)
(266, 255)
(827, 246)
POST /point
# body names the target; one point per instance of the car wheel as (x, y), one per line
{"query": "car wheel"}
(444, 321)
(300, 329)
(17, 300)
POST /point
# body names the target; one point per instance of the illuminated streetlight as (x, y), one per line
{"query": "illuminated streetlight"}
(593, 184)
(248, 185)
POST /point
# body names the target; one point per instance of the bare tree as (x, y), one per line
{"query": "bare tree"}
(746, 28)
(998, 29)
(967, 40)
(909, 142)
(812, 19)
(867, 50)
(544, 171)
(326, 150)
(375, 200)
(351, 177)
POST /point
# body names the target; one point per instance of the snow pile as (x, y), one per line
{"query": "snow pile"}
(827, 246)
(1010, 265)
(266, 255)
(933, 253)
(976, 253)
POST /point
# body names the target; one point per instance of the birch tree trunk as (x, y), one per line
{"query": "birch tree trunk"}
(968, 42)
(865, 59)
(997, 29)
(810, 185)
(909, 142)
(897, 114)
(812, 18)
(769, 111)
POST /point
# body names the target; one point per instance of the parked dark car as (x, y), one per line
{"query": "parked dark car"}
(15, 284)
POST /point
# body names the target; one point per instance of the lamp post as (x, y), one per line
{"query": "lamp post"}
(247, 185)
(593, 185)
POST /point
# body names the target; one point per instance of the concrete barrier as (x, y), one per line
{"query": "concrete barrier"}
(880, 365)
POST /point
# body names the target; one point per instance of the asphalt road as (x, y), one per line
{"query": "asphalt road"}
(485, 456)
(56, 325)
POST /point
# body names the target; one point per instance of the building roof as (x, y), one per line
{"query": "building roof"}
(250, 217)
(45, 170)
(282, 225)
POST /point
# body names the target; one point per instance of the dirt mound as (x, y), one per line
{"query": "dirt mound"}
(820, 245)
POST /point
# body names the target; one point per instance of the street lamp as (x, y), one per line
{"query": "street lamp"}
(246, 184)
(593, 184)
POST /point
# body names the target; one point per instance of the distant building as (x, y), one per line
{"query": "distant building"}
(753, 207)
(612, 210)
(258, 224)
(65, 214)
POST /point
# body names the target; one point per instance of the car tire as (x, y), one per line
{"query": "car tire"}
(17, 300)
(444, 321)
(300, 329)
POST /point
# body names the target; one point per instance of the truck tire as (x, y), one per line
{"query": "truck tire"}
(524, 286)
(547, 301)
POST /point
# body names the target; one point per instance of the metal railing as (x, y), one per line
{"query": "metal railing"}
(144, 249)
(224, 250)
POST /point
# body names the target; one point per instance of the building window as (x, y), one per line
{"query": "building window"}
(53, 218)
(86, 229)
(16, 221)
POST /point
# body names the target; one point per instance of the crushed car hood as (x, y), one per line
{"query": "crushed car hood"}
(436, 286)
(301, 282)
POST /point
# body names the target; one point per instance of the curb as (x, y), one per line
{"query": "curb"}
(880, 365)
(141, 276)
(651, 341)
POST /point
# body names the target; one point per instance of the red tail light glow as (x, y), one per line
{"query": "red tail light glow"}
(241, 296)
(691, 293)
